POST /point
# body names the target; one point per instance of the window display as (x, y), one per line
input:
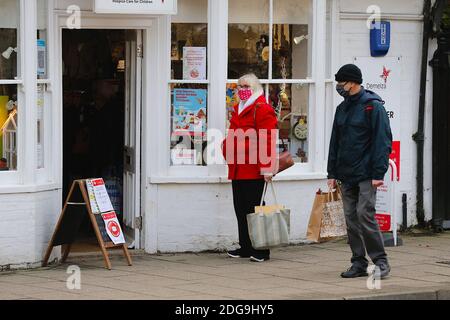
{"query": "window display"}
(189, 99)
(8, 127)
(189, 124)
(188, 53)
(291, 103)
(9, 70)
(42, 41)
(9, 35)
(286, 57)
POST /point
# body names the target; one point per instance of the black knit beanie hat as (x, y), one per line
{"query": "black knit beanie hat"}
(349, 72)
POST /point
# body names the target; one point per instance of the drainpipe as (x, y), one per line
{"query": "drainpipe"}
(419, 136)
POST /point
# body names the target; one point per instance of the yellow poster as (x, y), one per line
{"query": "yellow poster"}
(3, 116)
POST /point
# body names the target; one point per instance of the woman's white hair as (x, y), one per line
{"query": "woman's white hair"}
(252, 80)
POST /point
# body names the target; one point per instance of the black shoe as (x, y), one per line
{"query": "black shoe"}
(385, 269)
(237, 254)
(256, 258)
(354, 272)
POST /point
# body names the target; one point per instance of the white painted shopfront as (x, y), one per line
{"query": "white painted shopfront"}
(168, 206)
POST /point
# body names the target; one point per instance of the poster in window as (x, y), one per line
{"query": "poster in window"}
(41, 59)
(194, 63)
(189, 111)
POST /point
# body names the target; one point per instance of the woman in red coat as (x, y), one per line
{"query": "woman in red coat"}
(249, 150)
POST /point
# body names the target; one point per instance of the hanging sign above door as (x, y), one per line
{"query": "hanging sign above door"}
(136, 6)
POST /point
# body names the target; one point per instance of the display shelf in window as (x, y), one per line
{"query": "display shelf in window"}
(9, 139)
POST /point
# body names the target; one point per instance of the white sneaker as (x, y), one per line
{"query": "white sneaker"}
(254, 259)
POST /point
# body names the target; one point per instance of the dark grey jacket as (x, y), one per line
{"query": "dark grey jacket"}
(361, 141)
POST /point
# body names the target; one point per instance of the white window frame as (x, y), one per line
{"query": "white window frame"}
(27, 177)
(17, 176)
(192, 170)
(319, 105)
(45, 175)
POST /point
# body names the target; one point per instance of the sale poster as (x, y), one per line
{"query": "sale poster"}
(98, 196)
(113, 228)
(189, 111)
(194, 63)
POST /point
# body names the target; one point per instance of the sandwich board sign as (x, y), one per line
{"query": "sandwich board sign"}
(168, 7)
(88, 197)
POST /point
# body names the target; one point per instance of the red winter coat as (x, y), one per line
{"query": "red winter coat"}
(265, 119)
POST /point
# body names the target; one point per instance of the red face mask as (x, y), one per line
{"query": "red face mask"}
(245, 94)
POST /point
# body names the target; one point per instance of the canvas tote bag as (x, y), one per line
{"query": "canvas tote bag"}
(269, 226)
(333, 220)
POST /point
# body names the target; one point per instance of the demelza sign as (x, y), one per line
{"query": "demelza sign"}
(136, 6)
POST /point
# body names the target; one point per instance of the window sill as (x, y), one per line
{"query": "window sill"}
(224, 179)
(11, 189)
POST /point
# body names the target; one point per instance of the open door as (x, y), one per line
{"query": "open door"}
(132, 153)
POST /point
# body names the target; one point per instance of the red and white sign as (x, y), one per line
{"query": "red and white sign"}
(385, 213)
(194, 63)
(113, 227)
(395, 156)
(384, 221)
(98, 196)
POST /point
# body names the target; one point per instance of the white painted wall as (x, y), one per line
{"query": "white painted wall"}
(406, 41)
(197, 217)
(26, 225)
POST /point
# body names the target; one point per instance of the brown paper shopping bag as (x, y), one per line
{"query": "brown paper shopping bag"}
(317, 213)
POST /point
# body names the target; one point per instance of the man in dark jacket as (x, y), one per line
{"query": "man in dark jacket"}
(360, 146)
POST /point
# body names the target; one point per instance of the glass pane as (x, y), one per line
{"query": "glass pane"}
(42, 39)
(8, 127)
(291, 44)
(189, 124)
(40, 125)
(291, 103)
(232, 100)
(248, 38)
(9, 39)
(190, 41)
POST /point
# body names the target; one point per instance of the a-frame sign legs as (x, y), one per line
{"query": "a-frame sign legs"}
(58, 225)
(81, 184)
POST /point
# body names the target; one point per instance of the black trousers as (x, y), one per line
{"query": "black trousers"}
(246, 195)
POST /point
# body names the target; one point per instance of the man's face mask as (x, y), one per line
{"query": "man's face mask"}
(340, 88)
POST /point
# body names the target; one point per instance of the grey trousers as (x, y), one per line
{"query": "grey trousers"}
(362, 227)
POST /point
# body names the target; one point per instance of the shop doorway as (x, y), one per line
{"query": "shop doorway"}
(102, 120)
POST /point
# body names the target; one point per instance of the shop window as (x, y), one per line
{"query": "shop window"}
(283, 64)
(248, 38)
(189, 83)
(9, 72)
(9, 35)
(40, 104)
(189, 51)
(42, 39)
(291, 39)
(291, 104)
(8, 127)
(43, 77)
